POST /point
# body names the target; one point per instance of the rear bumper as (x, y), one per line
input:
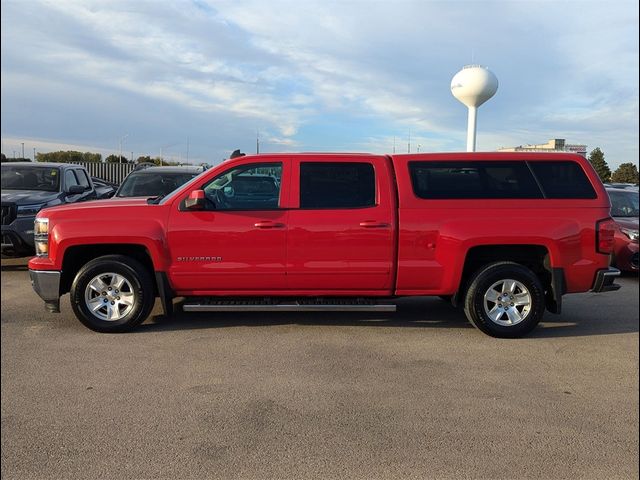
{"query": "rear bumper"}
(604, 280)
(46, 283)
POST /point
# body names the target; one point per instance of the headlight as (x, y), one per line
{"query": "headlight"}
(632, 234)
(41, 236)
(29, 210)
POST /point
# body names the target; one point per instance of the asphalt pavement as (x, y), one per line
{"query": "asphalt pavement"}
(416, 394)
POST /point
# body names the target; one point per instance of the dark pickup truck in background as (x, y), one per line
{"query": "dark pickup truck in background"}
(27, 188)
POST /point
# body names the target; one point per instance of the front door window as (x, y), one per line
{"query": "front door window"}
(247, 187)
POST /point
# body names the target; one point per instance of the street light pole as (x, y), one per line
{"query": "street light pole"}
(22, 149)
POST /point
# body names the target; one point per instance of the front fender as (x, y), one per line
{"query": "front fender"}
(149, 233)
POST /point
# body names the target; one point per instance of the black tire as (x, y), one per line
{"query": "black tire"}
(137, 286)
(476, 307)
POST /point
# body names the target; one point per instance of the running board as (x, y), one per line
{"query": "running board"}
(239, 306)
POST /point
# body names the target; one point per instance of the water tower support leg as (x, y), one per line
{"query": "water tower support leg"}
(471, 129)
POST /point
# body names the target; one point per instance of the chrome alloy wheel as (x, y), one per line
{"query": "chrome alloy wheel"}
(109, 296)
(507, 302)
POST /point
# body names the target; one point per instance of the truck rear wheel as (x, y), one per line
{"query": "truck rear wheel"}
(505, 299)
(113, 293)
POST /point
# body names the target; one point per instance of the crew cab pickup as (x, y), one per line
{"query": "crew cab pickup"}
(505, 235)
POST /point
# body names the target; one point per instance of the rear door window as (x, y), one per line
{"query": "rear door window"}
(337, 185)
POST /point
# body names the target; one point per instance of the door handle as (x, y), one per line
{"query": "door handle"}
(268, 224)
(373, 224)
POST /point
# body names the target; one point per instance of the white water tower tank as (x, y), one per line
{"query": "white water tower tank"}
(473, 85)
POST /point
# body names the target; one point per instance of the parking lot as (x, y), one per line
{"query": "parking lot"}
(414, 394)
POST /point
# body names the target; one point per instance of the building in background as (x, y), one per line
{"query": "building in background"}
(553, 145)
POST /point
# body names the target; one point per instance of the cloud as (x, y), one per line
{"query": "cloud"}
(318, 74)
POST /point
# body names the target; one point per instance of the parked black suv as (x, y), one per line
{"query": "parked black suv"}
(26, 188)
(155, 181)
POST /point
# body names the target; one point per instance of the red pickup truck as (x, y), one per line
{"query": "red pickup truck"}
(505, 235)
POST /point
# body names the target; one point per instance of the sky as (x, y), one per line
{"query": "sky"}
(193, 80)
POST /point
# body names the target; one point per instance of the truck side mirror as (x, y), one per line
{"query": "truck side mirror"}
(75, 189)
(195, 200)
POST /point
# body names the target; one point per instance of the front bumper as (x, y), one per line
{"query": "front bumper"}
(46, 283)
(604, 280)
(17, 237)
(626, 257)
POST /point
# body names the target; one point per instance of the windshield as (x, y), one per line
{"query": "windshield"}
(15, 177)
(145, 184)
(624, 203)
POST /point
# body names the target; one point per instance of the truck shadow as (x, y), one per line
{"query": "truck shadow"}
(422, 312)
(436, 314)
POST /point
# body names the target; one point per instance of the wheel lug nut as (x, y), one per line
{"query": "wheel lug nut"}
(511, 304)
(116, 291)
(500, 305)
(118, 298)
(105, 300)
(109, 288)
(113, 303)
(104, 293)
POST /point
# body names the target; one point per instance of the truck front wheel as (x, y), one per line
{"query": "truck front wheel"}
(113, 293)
(505, 299)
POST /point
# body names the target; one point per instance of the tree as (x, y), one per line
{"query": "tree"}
(596, 158)
(626, 173)
(68, 156)
(4, 158)
(112, 159)
(91, 157)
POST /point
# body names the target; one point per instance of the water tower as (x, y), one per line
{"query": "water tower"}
(473, 85)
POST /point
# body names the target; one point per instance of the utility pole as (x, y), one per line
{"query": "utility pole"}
(22, 149)
(257, 142)
(187, 150)
(34, 154)
(121, 139)
(394, 144)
